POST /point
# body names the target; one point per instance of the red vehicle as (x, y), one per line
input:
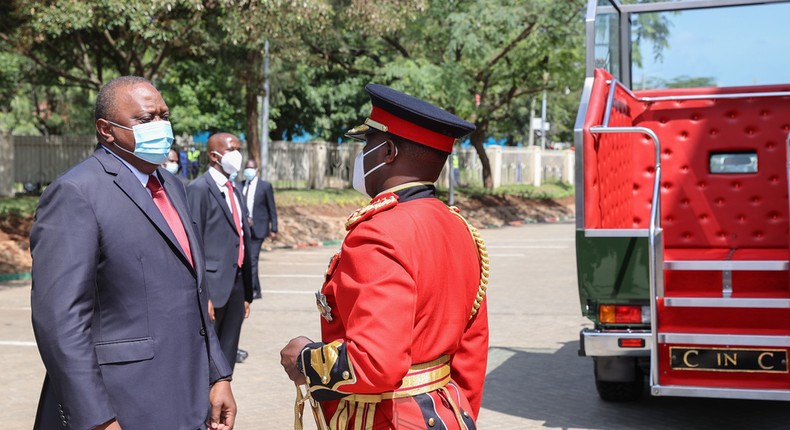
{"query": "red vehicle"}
(683, 219)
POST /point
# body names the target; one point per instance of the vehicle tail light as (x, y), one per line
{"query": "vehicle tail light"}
(623, 314)
(630, 343)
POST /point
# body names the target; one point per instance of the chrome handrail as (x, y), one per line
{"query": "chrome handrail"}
(654, 223)
(691, 96)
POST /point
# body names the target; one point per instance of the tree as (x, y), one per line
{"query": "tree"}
(214, 48)
(245, 26)
(73, 47)
(81, 42)
(482, 59)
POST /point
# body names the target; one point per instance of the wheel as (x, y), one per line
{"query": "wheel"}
(621, 391)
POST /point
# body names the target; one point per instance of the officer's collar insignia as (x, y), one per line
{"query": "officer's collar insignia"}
(381, 203)
(323, 306)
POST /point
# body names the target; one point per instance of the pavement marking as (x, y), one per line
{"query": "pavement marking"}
(536, 240)
(291, 276)
(16, 343)
(301, 264)
(527, 247)
(287, 292)
(308, 252)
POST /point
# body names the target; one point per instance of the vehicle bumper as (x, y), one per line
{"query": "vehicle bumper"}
(597, 343)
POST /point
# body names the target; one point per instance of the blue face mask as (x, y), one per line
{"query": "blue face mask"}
(249, 173)
(233, 176)
(152, 141)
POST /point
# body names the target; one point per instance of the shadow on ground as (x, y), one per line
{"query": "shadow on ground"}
(557, 388)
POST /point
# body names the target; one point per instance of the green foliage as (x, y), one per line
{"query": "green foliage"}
(344, 197)
(18, 206)
(488, 61)
(203, 96)
(449, 53)
(547, 191)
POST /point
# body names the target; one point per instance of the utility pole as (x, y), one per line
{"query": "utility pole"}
(265, 113)
(531, 123)
(543, 112)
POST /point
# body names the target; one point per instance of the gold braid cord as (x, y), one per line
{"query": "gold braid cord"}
(482, 255)
(318, 414)
(363, 213)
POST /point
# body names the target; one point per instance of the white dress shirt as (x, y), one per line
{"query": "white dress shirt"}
(221, 182)
(249, 191)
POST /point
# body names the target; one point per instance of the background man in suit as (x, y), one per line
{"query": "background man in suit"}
(259, 198)
(221, 219)
(119, 297)
(173, 165)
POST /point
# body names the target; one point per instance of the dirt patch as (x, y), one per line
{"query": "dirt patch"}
(300, 225)
(15, 244)
(315, 224)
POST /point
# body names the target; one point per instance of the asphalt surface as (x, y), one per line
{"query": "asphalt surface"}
(535, 378)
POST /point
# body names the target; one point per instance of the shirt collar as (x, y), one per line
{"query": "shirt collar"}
(218, 177)
(142, 177)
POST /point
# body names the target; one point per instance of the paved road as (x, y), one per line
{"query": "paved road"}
(535, 379)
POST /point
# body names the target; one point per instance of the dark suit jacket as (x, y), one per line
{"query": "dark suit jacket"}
(119, 314)
(264, 214)
(215, 224)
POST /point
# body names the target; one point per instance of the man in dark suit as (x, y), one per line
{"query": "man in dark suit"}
(221, 219)
(259, 198)
(119, 294)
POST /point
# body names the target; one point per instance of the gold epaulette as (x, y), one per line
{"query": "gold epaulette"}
(380, 204)
(482, 256)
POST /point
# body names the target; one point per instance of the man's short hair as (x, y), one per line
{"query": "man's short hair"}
(105, 100)
(418, 152)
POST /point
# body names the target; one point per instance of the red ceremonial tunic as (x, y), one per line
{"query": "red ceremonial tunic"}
(400, 292)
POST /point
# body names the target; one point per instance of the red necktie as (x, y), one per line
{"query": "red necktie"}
(170, 214)
(236, 221)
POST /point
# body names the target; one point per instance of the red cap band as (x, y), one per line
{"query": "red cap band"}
(409, 130)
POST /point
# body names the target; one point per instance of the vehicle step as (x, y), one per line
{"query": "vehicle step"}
(758, 265)
(729, 302)
(722, 393)
(724, 339)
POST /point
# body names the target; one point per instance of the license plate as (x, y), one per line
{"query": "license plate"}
(728, 359)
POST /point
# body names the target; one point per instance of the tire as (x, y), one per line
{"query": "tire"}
(629, 391)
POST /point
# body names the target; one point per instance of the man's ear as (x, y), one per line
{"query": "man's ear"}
(392, 152)
(103, 128)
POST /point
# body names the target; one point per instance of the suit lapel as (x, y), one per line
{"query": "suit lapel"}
(183, 213)
(131, 186)
(214, 191)
(260, 191)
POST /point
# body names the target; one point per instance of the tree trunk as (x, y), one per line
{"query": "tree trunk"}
(253, 137)
(252, 86)
(477, 138)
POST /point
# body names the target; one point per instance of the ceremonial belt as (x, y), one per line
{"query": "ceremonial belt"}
(420, 379)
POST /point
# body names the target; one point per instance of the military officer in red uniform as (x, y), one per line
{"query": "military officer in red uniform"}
(404, 322)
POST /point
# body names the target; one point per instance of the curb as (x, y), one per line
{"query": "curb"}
(15, 276)
(549, 220)
(309, 244)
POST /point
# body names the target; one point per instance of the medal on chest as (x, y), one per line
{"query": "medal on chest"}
(323, 306)
(320, 298)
